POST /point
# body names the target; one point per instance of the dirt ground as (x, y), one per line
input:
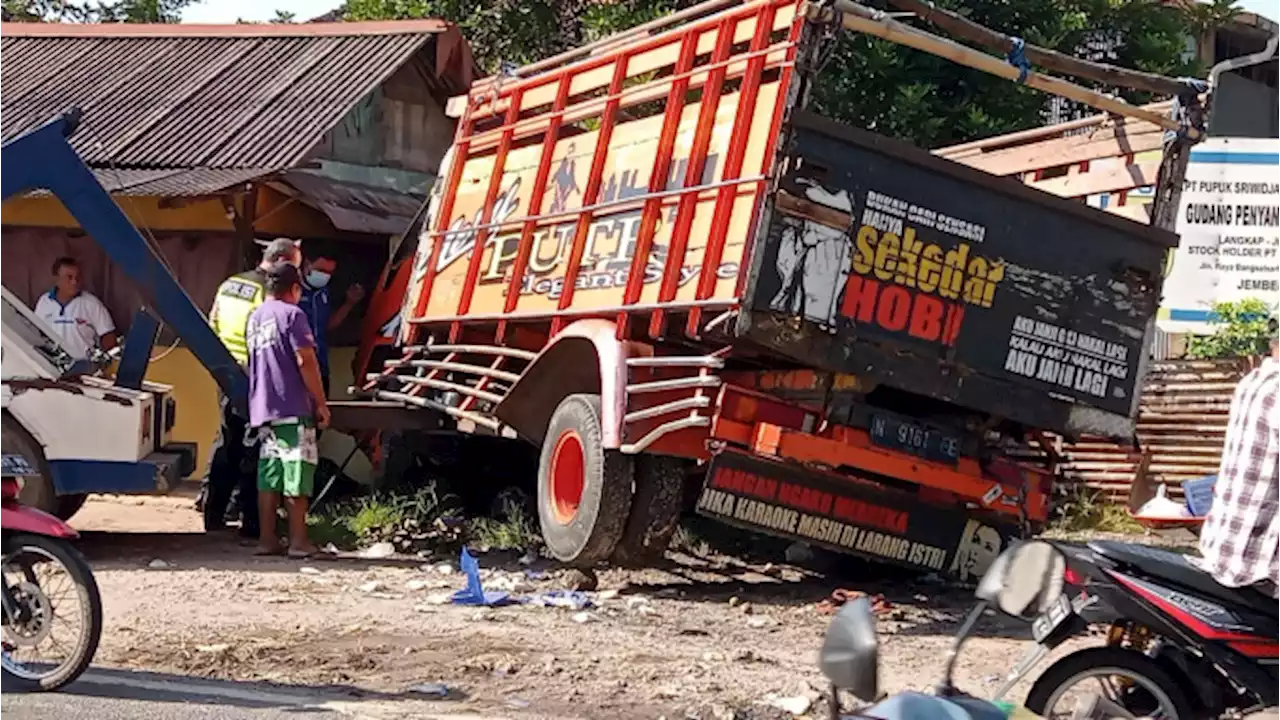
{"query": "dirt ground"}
(703, 637)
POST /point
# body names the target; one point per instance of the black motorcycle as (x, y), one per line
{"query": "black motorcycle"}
(1179, 645)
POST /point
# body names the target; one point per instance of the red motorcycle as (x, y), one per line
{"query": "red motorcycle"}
(52, 610)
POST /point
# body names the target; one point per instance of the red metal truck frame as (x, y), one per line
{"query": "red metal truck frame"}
(510, 368)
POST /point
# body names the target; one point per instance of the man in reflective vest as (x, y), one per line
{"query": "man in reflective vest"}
(233, 464)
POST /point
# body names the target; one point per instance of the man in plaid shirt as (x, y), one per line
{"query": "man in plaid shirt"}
(1240, 536)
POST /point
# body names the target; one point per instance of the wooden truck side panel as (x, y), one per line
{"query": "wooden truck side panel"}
(1107, 162)
(625, 182)
(917, 273)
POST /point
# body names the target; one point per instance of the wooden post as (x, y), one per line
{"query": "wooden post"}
(862, 19)
(966, 29)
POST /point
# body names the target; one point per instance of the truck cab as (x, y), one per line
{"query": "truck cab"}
(84, 431)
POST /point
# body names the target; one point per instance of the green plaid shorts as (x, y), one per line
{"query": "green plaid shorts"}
(287, 458)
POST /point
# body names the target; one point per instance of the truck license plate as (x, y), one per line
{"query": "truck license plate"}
(916, 439)
(13, 465)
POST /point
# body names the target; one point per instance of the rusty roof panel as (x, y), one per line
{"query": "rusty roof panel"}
(171, 182)
(231, 96)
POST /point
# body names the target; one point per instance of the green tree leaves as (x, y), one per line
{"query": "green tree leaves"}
(868, 82)
(1242, 329)
(98, 11)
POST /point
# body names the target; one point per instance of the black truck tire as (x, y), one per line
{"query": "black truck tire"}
(584, 490)
(69, 505)
(655, 510)
(37, 491)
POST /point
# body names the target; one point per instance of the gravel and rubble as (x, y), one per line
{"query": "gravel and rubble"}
(700, 637)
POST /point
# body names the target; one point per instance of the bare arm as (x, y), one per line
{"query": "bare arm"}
(310, 367)
(108, 341)
(340, 315)
(354, 295)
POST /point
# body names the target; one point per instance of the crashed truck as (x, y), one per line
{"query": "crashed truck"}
(651, 260)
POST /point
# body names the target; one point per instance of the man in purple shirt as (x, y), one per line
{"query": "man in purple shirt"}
(286, 405)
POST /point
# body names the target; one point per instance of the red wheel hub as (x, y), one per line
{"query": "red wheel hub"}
(568, 476)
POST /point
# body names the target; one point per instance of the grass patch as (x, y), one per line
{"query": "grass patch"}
(421, 518)
(1084, 509)
(412, 519)
(327, 529)
(513, 529)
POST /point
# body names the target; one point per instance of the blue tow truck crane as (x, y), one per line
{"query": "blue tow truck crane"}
(87, 433)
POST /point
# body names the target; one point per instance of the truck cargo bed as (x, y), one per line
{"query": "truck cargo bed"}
(885, 262)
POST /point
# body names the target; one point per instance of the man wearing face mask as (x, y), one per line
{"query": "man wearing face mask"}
(315, 303)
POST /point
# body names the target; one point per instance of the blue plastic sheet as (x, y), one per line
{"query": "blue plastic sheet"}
(474, 593)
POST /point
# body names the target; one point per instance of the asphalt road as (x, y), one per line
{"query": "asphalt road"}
(122, 695)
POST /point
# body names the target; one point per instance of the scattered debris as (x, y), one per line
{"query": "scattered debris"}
(797, 705)
(583, 617)
(278, 600)
(841, 596)
(372, 586)
(516, 703)
(535, 575)
(308, 570)
(434, 690)
(378, 550)
(798, 553)
(529, 557)
(216, 648)
(757, 622)
(427, 584)
(607, 594)
(562, 598)
(330, 549)
(444, 569)
(443, 598)
(637, 601)
(509, 583)
(158, 564)
(734, 601)
(584, 580)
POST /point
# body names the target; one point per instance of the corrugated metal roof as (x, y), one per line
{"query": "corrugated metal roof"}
(352, 206)
(226, 96)
(172, 182)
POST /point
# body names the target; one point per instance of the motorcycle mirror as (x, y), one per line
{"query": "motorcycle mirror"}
(1032, 579)
(993, 580)
(850, 656)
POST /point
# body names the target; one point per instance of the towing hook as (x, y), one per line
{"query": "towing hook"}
(71, 120)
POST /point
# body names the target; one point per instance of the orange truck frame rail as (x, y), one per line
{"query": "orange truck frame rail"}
(647, 258)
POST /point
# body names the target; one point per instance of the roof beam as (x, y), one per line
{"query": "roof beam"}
(859, 18)
(1110, 75)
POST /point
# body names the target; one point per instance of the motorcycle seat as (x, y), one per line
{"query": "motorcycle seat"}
(1176, 568)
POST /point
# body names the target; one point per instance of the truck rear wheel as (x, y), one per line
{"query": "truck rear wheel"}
(69, 505)
(37, 491)
(584, 490)
(655, 510)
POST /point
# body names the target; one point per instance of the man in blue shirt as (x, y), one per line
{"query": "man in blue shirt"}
(315, 303)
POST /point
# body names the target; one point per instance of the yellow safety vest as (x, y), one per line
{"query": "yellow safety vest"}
(238, 296)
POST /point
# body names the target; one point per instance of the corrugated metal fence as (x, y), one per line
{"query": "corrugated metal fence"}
(1182, 421)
